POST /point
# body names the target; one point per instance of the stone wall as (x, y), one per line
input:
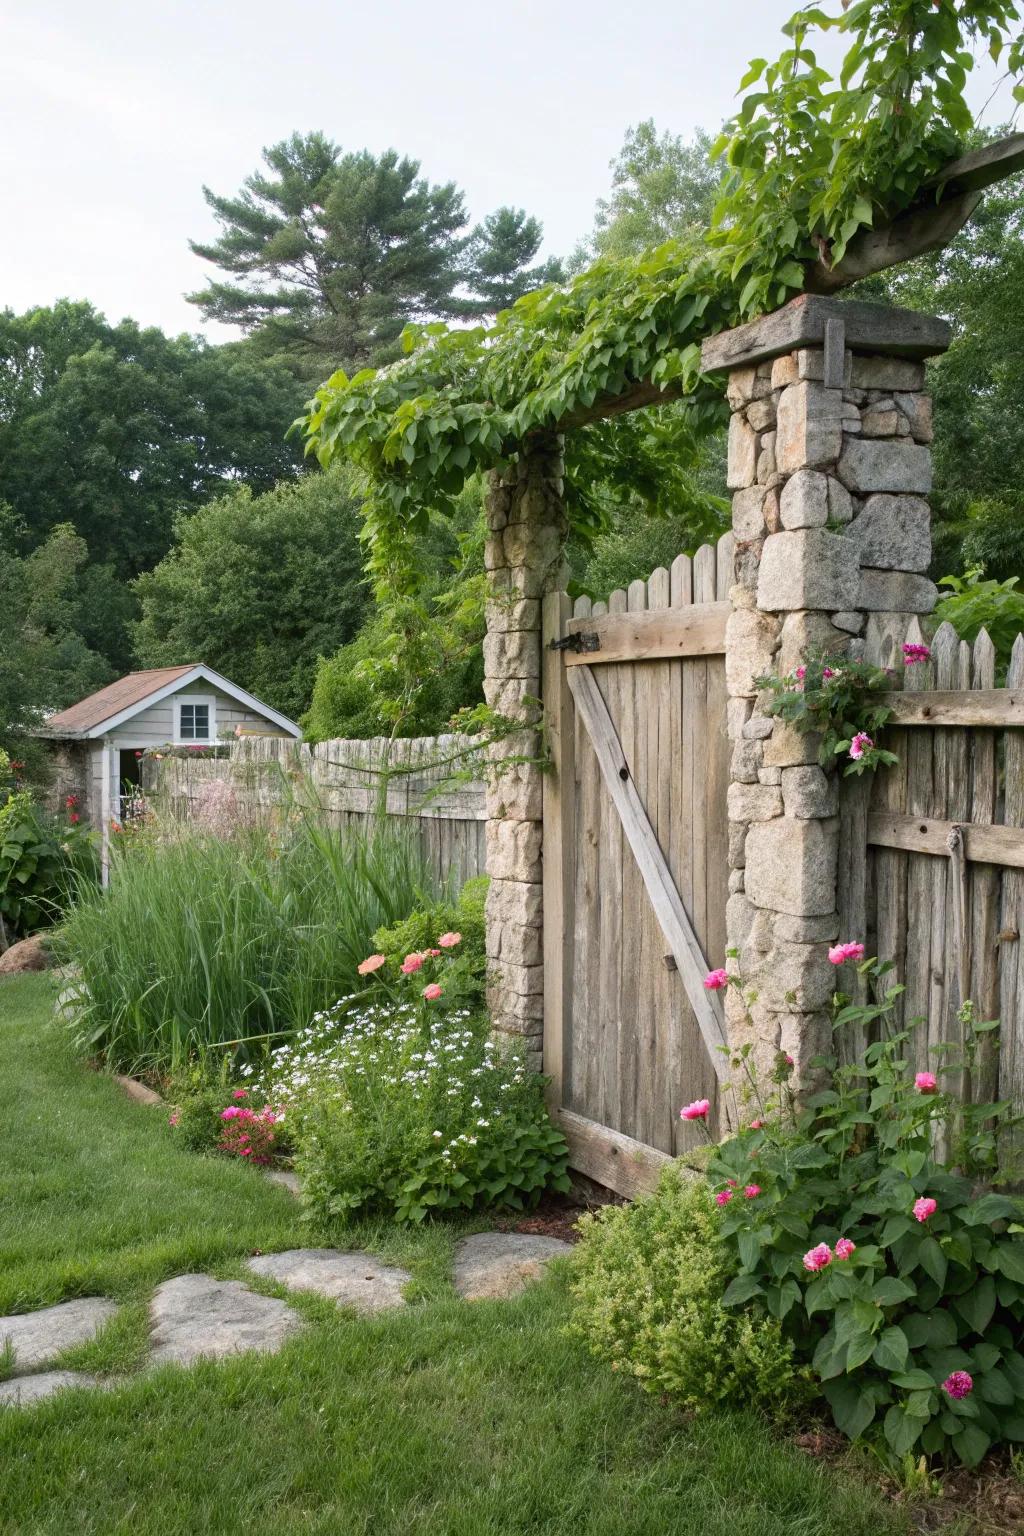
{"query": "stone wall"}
(526, 531)
(833, 540)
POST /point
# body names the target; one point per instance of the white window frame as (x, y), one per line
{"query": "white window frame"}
(195, 698)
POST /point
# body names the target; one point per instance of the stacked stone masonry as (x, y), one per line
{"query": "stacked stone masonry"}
(525, 535)
(832, 545)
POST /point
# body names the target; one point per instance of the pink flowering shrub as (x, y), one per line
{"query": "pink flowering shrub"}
(251, 1133)
(214, 1114)
(893, 1275)
(841, 699)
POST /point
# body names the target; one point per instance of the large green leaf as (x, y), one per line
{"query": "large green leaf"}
(933, 1261)
(977, 1305)
(901, 1430)
(970, 1444)
(853, 1407)
(892, 1350)
(1010, 1258)
(741, 1289)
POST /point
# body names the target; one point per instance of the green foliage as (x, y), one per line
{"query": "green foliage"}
(807, 167)
(889, 1271)
(647, 1283)
(259, 587)
(466, 967)
(973, 604)
(845, 701)
(42, 858)
(331, 254)
(663, 188)
(402, 1105)
(245, 937)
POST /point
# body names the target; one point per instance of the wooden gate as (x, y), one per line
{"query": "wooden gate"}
(636, 863)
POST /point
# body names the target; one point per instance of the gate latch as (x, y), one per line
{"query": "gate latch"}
(577, 643)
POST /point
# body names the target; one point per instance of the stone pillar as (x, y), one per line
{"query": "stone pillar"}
(525, 533)
(829, 468)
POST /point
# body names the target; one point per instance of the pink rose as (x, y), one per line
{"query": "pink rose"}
(958, 1383)
(756, 1125)
(432, 993)
(411, 963)
(751, 1191)
(698, 1110)
(925, 1207)
(723, 1197)
(840, 953)
(926, 1082)
(231, 1113)
(715, 980)
(844, 1248)
(800, 674)
(240, 1093)
(860, 744)
(912, 654)
(449, 940)
(818, 1258)
(827, 672)
(372, 963)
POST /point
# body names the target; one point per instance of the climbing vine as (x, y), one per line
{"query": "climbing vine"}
(807, 163)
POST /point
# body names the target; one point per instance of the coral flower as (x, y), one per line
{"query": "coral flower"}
(432, 993)
(411, 963)
(912, 654)
(844, 1248)
(372, 963)
(449, 940)
(925, 1207)
(958, 1383)
(926, 1082)
(751, 1191)
(860, 744)
(715, 980)
(756, 1125)
(818, 1258)
(74, 818)
(698, 1110)
(240, 1093)
(840, 953)
(723, 1197)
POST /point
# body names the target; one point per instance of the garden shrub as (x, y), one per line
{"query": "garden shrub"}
(647, 1282)
(466, 967)
(893, 1273)
(211, 1115)
(403, 1106)
(42, 857)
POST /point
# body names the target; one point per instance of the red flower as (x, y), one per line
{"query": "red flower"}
(71, 802)
(74, 818)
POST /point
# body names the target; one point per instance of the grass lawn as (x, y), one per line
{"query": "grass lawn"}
(446, 1419)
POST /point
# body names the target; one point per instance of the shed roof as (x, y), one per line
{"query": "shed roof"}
(117, 702)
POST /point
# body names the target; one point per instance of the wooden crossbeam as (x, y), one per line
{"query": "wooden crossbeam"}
(610, 1158)
(994, 707)
(695, 630)
(919, 834)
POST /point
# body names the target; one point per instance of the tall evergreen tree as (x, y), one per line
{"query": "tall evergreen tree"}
(499, 255)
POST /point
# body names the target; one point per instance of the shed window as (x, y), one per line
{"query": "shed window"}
(194, 719)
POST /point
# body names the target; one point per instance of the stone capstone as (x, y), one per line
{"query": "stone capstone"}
(352, 1279)
(492, 1266)
(36, 1337)
(196, 1317)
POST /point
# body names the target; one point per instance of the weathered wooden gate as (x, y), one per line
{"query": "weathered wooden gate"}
(635, 863)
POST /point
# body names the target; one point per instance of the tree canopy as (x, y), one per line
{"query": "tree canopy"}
(328, 254)
(663, 188)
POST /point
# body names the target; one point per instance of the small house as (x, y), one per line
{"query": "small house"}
(98, 743)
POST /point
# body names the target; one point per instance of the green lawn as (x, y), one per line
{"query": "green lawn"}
(443, 1420)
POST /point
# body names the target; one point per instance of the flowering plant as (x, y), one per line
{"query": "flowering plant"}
(41, 856)
(842, 700)
(892, 1274)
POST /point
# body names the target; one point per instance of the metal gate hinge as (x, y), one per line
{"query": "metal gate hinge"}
(578, 643)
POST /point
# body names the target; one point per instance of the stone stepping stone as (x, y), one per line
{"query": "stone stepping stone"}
(353, 1279)
(494, 1266)
(37, 1337)
(287, 1180)
(23, 1390)
(196, 1317)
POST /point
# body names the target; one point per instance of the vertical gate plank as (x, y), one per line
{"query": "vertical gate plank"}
(583, 1060)
(612, 931)
(985, 884)
(634, 701)
(559, 847)
(920, 778)
(1011, 949)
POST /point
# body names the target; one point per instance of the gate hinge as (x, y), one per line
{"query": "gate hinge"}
(578, 643)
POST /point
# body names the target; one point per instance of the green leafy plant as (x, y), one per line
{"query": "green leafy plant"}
(973, 604)
(842, 700)
(42, 857)
(466, 964)
(646, 1283)
(895, 1277)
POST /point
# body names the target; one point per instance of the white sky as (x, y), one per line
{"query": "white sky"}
(114, 114)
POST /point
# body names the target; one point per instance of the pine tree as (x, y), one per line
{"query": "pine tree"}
(499, 255)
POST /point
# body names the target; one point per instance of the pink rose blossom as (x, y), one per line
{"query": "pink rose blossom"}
(840, 953)
(698, 1110)
(372, 963)
(756, 1125)
(860, 744)
(715, 980)
(926, 1082)
(844, 1248)
(912, 654)
(751, 1191)
(958, 1383)
(432, 993)
(827, 672)
(433, 953)
(925, 1207)
(411, 963)
(789, 1060)
(818, 1258)
(449, 940)
(240, 1093)
(231, 1113)
(723, 1197)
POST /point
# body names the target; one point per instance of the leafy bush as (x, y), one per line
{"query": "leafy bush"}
(41, 857)
(466, 968)
(843, 700)
(406, 1108)
(973, 604)
(647, 1283)
(211, 1115)
(206, 941)
(893, 1276)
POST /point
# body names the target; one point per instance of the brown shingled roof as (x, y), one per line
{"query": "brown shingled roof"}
(111, 700)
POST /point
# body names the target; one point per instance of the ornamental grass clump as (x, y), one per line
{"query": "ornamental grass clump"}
(895, 1273)
(400, 1104)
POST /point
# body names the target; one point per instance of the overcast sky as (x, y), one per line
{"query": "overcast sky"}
(113, 115)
